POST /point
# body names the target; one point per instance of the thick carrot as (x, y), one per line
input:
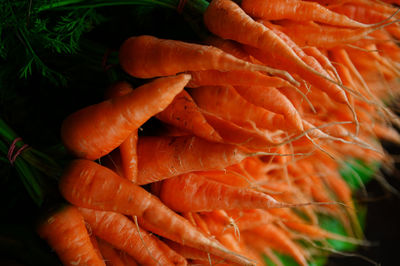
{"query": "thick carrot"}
(122, 233)
(128, 147)
(234, 78)
(90, 185)
(96, 130)
(297, 11)
(194, 193)
(227, 103)
(178, 155)
(66, 233)
(147, 57)
(183, 113)
(256, 139)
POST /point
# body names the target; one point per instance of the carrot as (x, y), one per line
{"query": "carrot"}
(178, 155)
(234, 78)
(66, 233)
(271, 99)
(89, 133)
(122, 233)
(90, 185)
(128, 147)
(227, 20)
(185, 114)
(297, 11)
(194, 193)
(227, 103)
(255, 139)
(110, 254)
(147, 57)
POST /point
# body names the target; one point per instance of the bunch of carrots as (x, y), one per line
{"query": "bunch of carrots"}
(257, 121)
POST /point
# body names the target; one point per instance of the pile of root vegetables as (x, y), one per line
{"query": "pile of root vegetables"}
(256, 122)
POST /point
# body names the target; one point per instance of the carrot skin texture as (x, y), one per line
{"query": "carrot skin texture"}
(179, 155)
(66, 233)
(122, 233)
(96, 130)
(194, 193)
(147, 57)
(90, 185)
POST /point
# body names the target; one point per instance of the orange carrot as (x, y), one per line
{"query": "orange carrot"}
(227, 103)
(234, 78)
(90, 185)
(147, 57)
(297, 11)
(128, 147)
(66, 233)
(271, 99)
(194, 193)
(96, 130)
(178, 155)
(122, 233)
(185, 114)
(256, 139)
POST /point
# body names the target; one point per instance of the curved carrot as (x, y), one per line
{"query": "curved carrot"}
(297, 11)
(122, 233)
(257, 139)
(234, 78)
(179, 155)
(271, 99)
(96, 130)
(227, 103)
(66, 233)
(147, 56)
(194, 193)
(90, 185)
